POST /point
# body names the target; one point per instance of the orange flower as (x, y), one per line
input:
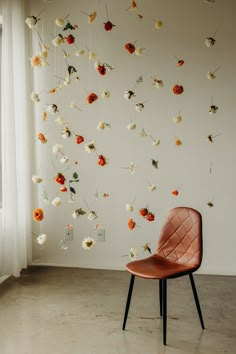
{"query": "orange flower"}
(175, 192)
(178, 142)
(92, 97)
(38, 214)
(60, 179)
(42, 138)
(131, 224)
(63, 189)
(178, 89)
(36, 60)
(44, 116)
(101, 160)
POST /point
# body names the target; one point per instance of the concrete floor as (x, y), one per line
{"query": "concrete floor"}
(80, 311)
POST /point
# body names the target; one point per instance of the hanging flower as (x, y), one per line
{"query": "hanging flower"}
(129, 94)
(70, 39)
(63, 189)
(42, 138)
(56, 201)
(178, 142)
(106, 94)
(143, 134)
(58, 40)
(79, 139)
(147, 248)
(131, 126)
(41, 239)
(143, 212)
(133, 254)
(92, 215)
(101, 69)
(151, 187)
(60, 178)
(92, 97)
(44, 116)
(36, 179)
(133, 5)
(177, 119)
(108, 26)
(156, 142)
(139, 107)
(57, 148)
(59, 22)
(88, 243)
(34, 97)
(38, 214)
(150, 216)
(213, 109)
(175, 192)
(52, 108)
(130, 48)
(66, 133)
(129, 207)
(31, 21)
(209, 42)
(178, 89)
(138, 51)
(102, 125)
(79, 52)
(158, 24)
(131, 224)
(102, 161)
(92, 56)
(64, 159)
(78, 212)
(92, 17)
(157, 83)
(90, 147)
(36, 61)
(211, 76)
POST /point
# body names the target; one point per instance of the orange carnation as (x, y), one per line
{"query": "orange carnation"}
(131, 224)
(38, 214)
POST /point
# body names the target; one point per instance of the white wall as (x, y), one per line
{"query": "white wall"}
(186, 26)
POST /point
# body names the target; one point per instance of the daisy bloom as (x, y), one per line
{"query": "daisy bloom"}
(36, 179)
(131, 126)
(42, 138)
(59, 22)
(131, 224)
(41, 239)
(57, 148)
(177, 119)
(92, 215)
(92, 97)
(133, 254)
(88, 243)
(38, 214)
(64, 159)
(31, 21)
(106, 94)
(58, 40)
(56, 201)
(34, 97)
(90, 147)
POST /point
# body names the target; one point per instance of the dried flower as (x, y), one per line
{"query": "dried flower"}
(64, 159)
(70, 39)
(178, 142)
(34, 97)
(76, 214)
(129, 94)
(57, 148)
(131, 126)
(63, 189)
(158, 24)
(42, 138)
(92, 215)
(177, 119)
(79, 52)
(150, 216)
(79, 139)
(211, 76)
(36, 61)
(178, 89)
(66, 133)
(92, 56)
(156, 142)
(106, 94)
(175, 192)
(41, 239)
(102, 161)
(58, 40)
(133, 254)
(130, 48)
(90, 147)
(92, 17)
(88, 243)
(38, 214)
(60, 178)
(139, 107)
(143, 212)
(56, 201)
(138, 51)
(59, 22)
(31, 21)
(151, 187)
(213, 109)
(92, 97)
(209, 42)
(52, 108)
(147, 248)
(108, 26)
(131, 224)
(36, 179)
(157, 83)
(129, 207)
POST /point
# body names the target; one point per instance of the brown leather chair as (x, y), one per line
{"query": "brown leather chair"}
(178, 253)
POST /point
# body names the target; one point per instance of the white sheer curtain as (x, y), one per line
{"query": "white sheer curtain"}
(15, 236)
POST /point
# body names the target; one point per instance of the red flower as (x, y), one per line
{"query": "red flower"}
(130, 47)
(70, 39)
(143, 211)
(59, 178)
(131, 224)
(175, 192)
(150, 216)
(108, 26)
(79, 139)
(92, 97)
(178, 89)
(102, 70)
(63, 189)
(101, 160)
(180, 62)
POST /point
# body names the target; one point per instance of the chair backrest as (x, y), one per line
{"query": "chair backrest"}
(181, 237)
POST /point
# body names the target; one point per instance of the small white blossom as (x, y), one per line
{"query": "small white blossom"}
(139, 107)
(31, 21)
(106, 94)
(133, 254)
(131, 126)
(177, 119)
(57, 148)
(90, 147)
(92, 215)
(58, 40)
(36, 179)
(129, 207)
(64, 159)
(79, 52)
(34, 97)
(138, 51)
(59, 22)
(41, 239)
(156, 142)
(56, 201)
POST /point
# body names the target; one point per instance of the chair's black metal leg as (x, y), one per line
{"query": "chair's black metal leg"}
(128, 300)
(164, 308)
(160, 296)
(196, 300)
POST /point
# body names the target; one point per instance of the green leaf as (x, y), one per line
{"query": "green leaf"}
(155, 163)
(71, 69)
(72, 190)
(75, 175)
(68, 26)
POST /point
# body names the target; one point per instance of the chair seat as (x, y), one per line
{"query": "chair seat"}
(156, 267)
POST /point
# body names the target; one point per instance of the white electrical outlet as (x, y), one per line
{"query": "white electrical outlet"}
(100, 235)
(68, 234)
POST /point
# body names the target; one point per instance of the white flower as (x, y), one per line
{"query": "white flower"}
(211, 76)
(56, 201)
(88, 243)
(76, 214)
(41, 239)
(59, 22)
(138, 51)
(101, 125)
(131, 126)
(34, 97)
(92, 56)
(156, 142)
(106, 94)
(177, 119)
(133, 167)
(52, 108)
(92, 215)
(129, 94)
(213, 109)
(66, 133)
(31, 21)
(57, 148)
(133, 254)
(129, 207)
(64, 159)
(36, 179)
(139, 107)
(60, 120)
(158, 83)
(90, 147)
(152, 187)
(58, 40)
(67, 81)
(158, 24)
(209, 42)
(79, 52)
